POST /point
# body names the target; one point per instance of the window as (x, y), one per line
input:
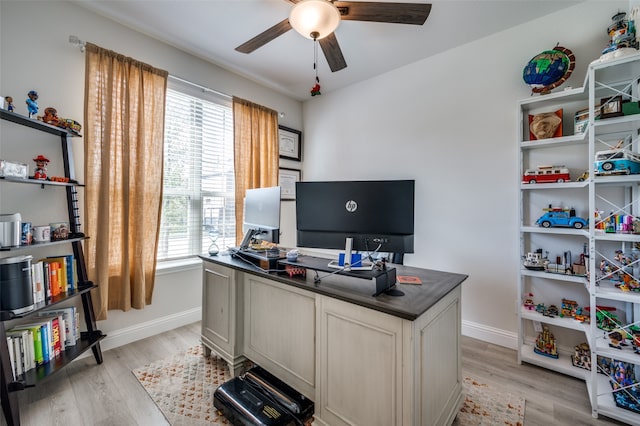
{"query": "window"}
(198, 195)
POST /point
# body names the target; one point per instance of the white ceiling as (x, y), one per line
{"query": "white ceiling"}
(212, 29)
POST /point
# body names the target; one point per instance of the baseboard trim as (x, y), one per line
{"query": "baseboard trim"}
(139, 331)
(146, 329)
(493, 335)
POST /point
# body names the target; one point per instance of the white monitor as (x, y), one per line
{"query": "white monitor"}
(262, 212)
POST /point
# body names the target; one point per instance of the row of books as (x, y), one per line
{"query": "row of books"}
(43, 339)
(52, 276)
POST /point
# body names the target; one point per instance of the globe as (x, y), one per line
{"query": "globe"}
(549, 69)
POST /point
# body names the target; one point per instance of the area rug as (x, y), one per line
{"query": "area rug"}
(182, 387)
(485, 406)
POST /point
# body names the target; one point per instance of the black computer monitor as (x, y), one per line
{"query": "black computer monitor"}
(261, 215)
(374, 214)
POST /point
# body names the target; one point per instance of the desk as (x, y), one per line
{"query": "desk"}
(363, 360)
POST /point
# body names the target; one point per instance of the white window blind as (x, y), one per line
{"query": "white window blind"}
(198, 194)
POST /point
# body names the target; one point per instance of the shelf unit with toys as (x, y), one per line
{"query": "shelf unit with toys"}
(91, 336)
(537, 282)
(614, 203)
(597, 268)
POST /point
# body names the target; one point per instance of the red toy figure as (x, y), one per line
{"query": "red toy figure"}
(41, 167)
(315, 90)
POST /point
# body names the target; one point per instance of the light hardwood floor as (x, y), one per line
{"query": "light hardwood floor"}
(85, 393)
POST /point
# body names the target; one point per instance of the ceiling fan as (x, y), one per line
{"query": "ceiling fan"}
(318, 19)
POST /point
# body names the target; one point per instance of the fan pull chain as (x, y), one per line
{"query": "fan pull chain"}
(315, 90)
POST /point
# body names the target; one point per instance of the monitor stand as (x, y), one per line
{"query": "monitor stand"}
(393, 292)
(248, 236)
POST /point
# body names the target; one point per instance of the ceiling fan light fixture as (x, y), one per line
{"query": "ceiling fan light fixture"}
(314, 19)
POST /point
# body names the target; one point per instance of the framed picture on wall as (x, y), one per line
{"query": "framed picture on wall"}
(287, 179)
(290, 143)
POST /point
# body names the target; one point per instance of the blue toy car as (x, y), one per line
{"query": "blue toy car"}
(616, 162)
(561, 219)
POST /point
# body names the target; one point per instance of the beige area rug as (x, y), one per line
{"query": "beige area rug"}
(483, 405)
(182, 387)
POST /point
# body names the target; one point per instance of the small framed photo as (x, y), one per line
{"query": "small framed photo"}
(611, 107)
(290, 143)
(287, 179)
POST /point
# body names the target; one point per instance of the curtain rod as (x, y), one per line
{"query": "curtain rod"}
(81, 44)
(205, 89)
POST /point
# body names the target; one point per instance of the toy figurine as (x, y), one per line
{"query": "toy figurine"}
(582, 356)
(546, 343)
(528, 302)
(8, 104)
(622, 34)
(50, 116)
(41, 167)
(617, 339)
(32, 104)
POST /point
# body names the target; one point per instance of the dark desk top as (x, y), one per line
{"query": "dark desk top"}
(417, 299)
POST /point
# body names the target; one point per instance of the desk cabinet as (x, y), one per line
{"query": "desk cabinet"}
(280, 331)
(377, 369)
(360, 353)
(222, 319)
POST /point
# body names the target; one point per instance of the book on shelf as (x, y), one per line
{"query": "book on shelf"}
(46, 280)
(36, 336)
(58, 333)
(70, 320)
(12, 358)
(60, 266)
(71, 273)
(45, 336)
(53, 335)
(59, 274)
(19, 351)
(23, 348)
(29, 346)
(54, 277)
(37, 281)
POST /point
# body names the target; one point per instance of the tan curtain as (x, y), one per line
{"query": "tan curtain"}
(124, 134)
(256, 151)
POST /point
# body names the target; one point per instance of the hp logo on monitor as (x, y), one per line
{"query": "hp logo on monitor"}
(351, 206)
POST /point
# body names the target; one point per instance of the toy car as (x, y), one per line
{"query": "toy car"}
(583, 177)
(551, 311)
(616, 161)
(561, 219)
(546, 174)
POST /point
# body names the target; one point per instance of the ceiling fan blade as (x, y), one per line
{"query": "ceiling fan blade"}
(265, 37)
(332, 52)
(396, 13)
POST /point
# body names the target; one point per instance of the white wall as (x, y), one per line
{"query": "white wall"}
(36, 55)
(450, 123)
